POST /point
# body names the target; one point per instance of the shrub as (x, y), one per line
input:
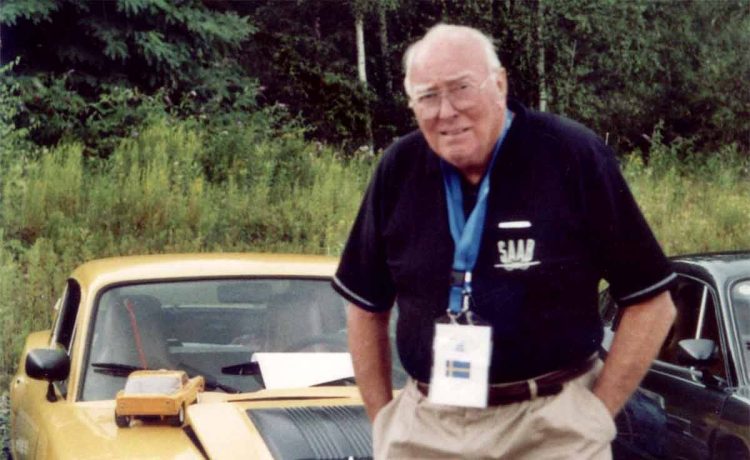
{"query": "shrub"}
(275, 193)
(694, 203)
(182, 186)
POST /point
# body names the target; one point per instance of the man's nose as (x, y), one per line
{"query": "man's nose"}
(447, 109)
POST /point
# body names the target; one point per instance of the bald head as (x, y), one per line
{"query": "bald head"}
(451, 36)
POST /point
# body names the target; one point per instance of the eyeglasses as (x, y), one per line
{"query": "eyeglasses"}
(462, 95)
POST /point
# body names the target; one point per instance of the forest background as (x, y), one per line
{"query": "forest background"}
(147, 126)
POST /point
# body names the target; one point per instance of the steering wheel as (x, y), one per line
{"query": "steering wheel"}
(337, 340)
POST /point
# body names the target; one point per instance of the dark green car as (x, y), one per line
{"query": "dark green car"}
(695, 400)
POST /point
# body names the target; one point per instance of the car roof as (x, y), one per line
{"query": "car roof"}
(97, 273)
(720, 265)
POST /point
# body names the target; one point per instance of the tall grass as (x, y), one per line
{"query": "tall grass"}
(155, 194)
(175, 187)
(693, 203)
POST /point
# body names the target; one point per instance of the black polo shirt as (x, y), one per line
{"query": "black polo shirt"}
(560, 218)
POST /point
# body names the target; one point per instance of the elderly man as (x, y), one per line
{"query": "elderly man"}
(491, 227)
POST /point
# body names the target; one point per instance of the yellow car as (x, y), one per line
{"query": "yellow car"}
(160, 394)
(266, 333)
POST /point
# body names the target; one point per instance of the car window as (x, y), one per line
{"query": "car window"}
(696, 319)
(66, 316)
(65, 321)
(740, 301)
(608, 311)
(209, 327)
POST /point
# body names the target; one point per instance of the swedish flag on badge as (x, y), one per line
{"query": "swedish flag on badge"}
(457, 369)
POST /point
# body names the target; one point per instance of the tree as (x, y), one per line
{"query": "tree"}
(154, 43)
(621, 68)
(80, 50)
(540, 67)
(309, 65)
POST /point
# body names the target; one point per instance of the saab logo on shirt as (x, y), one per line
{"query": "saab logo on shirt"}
(516, 254)
(457, 369)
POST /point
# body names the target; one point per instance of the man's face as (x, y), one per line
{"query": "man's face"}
(461, 136)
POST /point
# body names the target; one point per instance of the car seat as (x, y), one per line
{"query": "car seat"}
(306, 310)
(132, 332)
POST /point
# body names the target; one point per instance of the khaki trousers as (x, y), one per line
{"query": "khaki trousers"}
(573, 424)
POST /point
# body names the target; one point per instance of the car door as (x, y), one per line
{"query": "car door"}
(732, 440)
(692, 398)
(30, 407)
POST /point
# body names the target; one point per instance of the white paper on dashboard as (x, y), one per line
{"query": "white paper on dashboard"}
(296, 370)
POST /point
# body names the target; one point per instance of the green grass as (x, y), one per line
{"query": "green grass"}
(277, 193)
(179, 188)
(694, 204)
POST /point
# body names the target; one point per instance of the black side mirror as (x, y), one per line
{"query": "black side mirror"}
(48, 364)
(697, 352)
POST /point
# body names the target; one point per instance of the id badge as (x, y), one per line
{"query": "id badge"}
(461, 365)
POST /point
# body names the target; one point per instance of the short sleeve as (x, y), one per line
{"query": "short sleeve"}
(626, 249)
(363, 277)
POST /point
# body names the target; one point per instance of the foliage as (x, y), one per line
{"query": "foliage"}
(177, 186)
(154, 43)
(153, 195)
(11, 287)
(312, 70)
(703, 79)
(619, 67)
(694, 203)
(52, 110)
(85, 64)
(12, 140)
(139, 126)
(35, 11)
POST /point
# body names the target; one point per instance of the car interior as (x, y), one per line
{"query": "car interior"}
(696, 319)
(156, 326)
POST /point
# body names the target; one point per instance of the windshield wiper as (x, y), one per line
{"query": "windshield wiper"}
(211, 382)
(248, 368)
(345, 382)
(116, 369)
(124, 370)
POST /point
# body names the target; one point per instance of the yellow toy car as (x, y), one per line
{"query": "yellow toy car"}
(160, 394)
(266, 332)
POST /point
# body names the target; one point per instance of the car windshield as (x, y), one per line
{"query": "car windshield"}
(740, 298)
(231, 331)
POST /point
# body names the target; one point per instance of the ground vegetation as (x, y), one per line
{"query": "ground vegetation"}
(143, 126)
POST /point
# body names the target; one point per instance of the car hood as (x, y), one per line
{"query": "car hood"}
(310, 423)
(314, 423)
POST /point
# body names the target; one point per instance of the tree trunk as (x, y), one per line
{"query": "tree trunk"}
(362, 73)
(384, 46)
(564, 102)
(540, 64)
(360, 29)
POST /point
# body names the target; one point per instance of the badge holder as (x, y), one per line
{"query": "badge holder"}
(461, 358)
(463, 343)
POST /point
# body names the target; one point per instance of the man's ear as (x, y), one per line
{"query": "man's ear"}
(502, 82)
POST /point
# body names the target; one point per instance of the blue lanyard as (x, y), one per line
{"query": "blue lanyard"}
(466, 234)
